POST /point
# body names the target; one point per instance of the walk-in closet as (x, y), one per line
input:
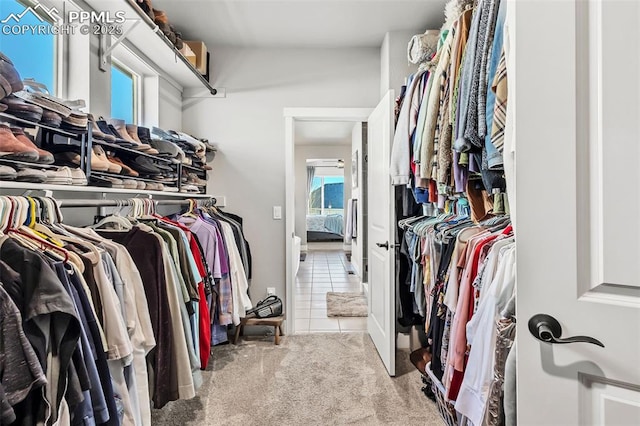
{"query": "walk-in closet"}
(292, 213)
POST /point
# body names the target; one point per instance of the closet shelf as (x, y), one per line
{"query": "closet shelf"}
(171, 182)
(26, 186)
(133, 152)
(149, 39)
(195, 169)
(32, 124)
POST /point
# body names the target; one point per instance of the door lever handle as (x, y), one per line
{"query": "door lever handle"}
(384, 246)
(547, 329)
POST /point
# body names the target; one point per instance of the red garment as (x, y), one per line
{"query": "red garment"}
(205, 328)
(433, 191)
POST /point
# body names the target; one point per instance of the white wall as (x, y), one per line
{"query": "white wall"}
(248, 126)
(302, 154)
(357, 243)
(394, 66)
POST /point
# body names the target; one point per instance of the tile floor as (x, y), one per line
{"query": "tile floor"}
(321, 272)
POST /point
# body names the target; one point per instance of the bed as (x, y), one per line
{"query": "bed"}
(325, 228)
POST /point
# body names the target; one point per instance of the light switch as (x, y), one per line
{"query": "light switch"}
(277, 212)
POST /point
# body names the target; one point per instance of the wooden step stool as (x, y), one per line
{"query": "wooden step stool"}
(275, 322)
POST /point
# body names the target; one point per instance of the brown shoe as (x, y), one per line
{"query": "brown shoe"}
(99, 158)
(132, 130)
(126, 170)
(10, 74)
(121, 128)
(160, 17)
(44, 157)
(12, 149)
(420, 358)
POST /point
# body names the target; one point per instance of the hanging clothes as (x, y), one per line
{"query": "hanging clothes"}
(108, 322)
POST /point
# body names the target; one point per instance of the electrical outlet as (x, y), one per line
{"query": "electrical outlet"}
(271, 291)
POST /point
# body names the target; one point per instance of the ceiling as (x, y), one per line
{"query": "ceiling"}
(299, 23)
(323, 132)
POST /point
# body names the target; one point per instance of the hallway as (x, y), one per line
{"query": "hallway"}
(324, 271)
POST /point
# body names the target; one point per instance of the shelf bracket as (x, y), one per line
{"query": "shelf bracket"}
(105, 51)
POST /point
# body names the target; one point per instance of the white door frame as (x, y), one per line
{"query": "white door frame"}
(290, 116)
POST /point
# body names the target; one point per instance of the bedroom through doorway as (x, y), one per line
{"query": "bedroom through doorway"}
(326, 204)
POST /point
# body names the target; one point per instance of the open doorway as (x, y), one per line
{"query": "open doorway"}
(320, 216)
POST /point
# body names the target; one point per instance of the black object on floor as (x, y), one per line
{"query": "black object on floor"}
(303, 257)
(426, 389)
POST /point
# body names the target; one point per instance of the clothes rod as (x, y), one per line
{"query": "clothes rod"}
(124, 203)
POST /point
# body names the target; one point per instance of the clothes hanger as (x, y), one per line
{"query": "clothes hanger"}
(18, 216)
(44, 234)
(190, 212)
(114, 219)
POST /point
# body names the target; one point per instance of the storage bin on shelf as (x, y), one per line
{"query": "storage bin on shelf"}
(445, 407)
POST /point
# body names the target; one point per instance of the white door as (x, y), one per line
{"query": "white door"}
(381, 320)
(578, 209)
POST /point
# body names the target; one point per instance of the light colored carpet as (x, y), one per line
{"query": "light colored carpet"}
(313, 379)
(345, 304)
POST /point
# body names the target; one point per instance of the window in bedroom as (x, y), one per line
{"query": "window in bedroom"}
(327, 195)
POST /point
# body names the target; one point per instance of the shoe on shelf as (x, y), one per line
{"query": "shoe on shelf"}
(126, 170)
(115, 182)
(192, 189)
(123, 131)
(39, 94)
(61, 176)
(168, 148)
(8, 173)
(97, 133)
(160, 17)
(11, 81)
(78, 177)
(195, 180)
(147, 8)
(130, 183)
(13, 149)
(142, 165)
(22, 109)
(75, 121)
(31, 175)
(51, 118)
(99, 158)
(132, 131)
(44, 157)
(170, 189)
(42, 102)
(141, 184)
(106, 129)
(120, 128)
